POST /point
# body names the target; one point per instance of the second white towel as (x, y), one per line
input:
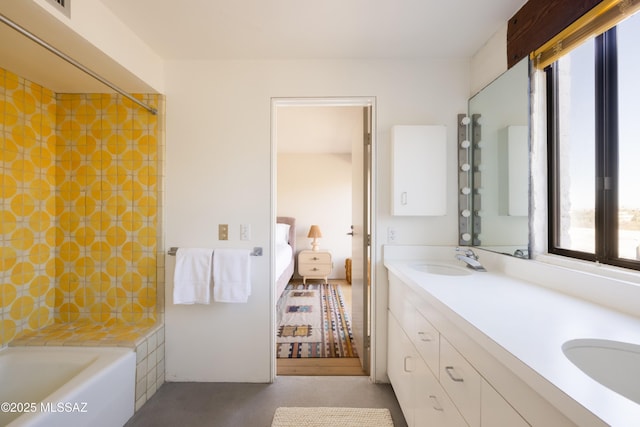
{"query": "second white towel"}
(231, 275)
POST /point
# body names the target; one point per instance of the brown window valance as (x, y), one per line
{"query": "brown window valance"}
(548, 28)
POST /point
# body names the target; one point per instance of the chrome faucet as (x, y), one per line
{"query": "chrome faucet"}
(470, 258)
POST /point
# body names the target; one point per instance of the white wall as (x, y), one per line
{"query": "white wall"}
(490, 61)
(92, 20)
(316, 189)
(218, 170)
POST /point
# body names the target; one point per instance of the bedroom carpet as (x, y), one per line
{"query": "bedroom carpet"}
(313, 322)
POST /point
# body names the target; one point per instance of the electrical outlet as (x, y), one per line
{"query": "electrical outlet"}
(223, 231)
(391, 235)
(245, 231)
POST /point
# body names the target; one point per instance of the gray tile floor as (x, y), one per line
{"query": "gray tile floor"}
(253, 405)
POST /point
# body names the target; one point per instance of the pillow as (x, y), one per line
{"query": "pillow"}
(282, 233)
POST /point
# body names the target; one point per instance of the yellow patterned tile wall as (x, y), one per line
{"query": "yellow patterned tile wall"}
(79, 218)
(108, 173)
(27, 205)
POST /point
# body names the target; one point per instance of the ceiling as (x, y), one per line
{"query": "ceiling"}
(33, 62)
(252, 29)
(302, 29)
(263, 29)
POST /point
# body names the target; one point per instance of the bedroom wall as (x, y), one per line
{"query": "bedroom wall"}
(219, 168)
(315, 188)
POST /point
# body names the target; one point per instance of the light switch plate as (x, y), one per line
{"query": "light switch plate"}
(223, 231)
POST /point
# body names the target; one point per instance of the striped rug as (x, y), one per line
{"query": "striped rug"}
(313, 322)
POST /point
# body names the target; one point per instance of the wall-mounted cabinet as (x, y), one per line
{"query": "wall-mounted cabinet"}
(419, 170)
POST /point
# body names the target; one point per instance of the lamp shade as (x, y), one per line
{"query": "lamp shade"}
(314, 231)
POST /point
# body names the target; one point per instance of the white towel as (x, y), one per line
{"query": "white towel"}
(231, 275)
(193, 276)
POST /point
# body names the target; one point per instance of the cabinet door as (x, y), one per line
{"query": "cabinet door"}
(496, 412)
(418, 170)
(401, 359)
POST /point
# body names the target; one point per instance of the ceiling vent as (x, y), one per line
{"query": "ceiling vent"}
(63, 6)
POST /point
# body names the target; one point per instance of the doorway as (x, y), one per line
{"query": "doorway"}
(321, 157)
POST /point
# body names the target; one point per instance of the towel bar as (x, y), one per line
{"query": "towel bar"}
(257, 251)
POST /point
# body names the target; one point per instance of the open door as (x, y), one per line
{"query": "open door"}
(362, 195)
(360, 233)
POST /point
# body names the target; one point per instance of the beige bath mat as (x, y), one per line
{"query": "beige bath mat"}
(332, 417)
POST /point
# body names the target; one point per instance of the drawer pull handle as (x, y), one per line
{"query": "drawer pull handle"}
(407, 366)
(315, 258)
(314, 269)
(453, 377)
(436, 405)
(425, 337)
(403, 198)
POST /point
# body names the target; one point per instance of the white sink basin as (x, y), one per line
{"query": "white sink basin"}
(614, 364)
(440, 269)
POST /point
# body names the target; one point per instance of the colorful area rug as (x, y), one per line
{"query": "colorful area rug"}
(332, 417)
(313, 322)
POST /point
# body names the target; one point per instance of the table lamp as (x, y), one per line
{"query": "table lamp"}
(315, 232)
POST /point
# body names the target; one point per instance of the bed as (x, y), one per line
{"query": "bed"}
(285, 244)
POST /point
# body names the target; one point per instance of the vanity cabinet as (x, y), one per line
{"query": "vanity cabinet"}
(422, 399)
(435, 384)
(418, 170)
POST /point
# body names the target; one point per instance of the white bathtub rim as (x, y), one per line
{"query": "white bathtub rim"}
(107, 360)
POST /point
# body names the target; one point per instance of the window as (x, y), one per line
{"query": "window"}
(594, 148)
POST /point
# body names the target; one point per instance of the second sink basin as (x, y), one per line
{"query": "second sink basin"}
(440, 269)
(614, 364)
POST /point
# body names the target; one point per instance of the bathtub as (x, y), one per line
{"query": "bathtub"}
(66, 386)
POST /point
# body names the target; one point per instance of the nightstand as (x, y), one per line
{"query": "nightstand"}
(314, 265)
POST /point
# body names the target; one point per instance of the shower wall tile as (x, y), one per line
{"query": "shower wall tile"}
(27, 208)
(108, 231)
(80, 206)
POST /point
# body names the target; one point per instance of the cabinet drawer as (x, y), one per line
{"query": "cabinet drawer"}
(400, 297)
(314, 269)
(496, 411)
(433, 406)
(461, 381)
(314, 258)
(426, 338)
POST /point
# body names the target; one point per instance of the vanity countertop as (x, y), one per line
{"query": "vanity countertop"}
(532, 323)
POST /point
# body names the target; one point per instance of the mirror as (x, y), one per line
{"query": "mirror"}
(495, 207)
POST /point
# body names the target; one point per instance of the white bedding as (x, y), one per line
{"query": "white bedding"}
(284, 253)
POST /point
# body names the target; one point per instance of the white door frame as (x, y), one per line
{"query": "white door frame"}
(354, 101)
